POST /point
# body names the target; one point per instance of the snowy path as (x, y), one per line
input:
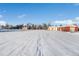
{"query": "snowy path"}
(39, 43)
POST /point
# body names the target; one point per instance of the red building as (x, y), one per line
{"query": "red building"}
(68, 28)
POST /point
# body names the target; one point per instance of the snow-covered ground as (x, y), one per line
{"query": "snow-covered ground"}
(39, 43)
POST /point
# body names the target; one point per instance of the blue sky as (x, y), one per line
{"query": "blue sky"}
(18, 13)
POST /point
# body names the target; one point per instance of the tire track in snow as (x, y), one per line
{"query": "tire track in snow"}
(2, 43)
(67, 47)
(22, 49)
(39, 46)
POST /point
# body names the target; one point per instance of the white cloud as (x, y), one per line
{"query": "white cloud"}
(2, 23)
(76, 20)
(3, 10)
(76, 4)
(68, 21)
(1, 16)
(22, 16)
(64, 22)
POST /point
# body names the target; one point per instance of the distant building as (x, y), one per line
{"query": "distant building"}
(54, 28)
(66, 28)
(24, 28)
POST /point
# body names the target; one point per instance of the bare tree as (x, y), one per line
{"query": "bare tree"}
(29, 26)
(45, 26)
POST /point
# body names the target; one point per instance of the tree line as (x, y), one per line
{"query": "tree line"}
(28, 25)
